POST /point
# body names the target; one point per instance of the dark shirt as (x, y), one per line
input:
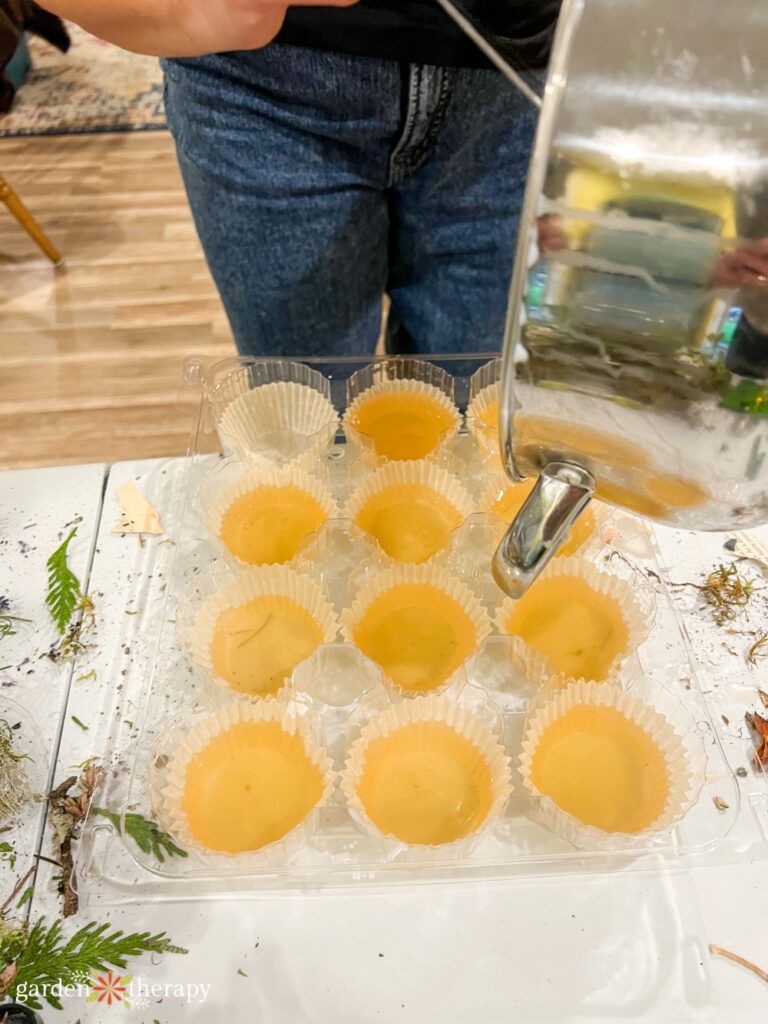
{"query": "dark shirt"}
(419, 31)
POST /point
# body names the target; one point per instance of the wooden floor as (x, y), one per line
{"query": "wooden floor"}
(91, 354)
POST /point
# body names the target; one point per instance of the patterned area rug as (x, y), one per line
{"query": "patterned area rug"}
(95, 87)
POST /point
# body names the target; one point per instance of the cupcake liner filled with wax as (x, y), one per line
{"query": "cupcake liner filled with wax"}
(426, 773)
(252, 631)
(419, 624)
(243, 782)
(608, 767)
(587, 620)
(265, 515)
(410, 509)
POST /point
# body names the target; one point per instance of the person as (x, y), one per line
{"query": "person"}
(336, 154)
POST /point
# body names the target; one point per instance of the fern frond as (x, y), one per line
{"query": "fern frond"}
(63, 586)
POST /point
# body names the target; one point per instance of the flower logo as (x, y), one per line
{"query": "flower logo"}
(110, 989)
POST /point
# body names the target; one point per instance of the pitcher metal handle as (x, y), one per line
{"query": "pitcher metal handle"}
(561, 494)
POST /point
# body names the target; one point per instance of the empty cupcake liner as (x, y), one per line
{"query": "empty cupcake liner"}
(197, 626)
(425, 575)
(487, 435)
(169, 796)
(366, 444)
(283, 421)
(667, 723)
(421, 473)
(429, 708)
(636, 602)
(214, 504)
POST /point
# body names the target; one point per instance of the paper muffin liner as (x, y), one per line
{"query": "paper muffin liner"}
(215, 502)
(498, 482)
(197, 625)
(486, 436)
(279, 422)
(365, 444)
(429, 708)
(429, 575)
(662, 717)
(635, 600)
(168, 799)
(418, 472)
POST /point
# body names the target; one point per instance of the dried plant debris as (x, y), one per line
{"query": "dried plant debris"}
(719, 951)
(760, 726)
(8, 622)
(763, 697)
(725, 591)
(15, 789)
(68, 811)
(758, 649)
(720, 803)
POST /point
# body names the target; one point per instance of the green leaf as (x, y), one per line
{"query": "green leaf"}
(145, 833)
(63, 586)
(26, 896)
(47, 957)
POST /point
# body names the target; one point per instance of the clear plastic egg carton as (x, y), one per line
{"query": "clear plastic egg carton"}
(338, 690)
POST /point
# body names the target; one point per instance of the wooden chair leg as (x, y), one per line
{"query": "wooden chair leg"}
(27, 221)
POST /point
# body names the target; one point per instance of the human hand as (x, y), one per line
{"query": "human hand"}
(181, 28)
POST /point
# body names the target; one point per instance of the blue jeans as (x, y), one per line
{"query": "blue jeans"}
(318, 182)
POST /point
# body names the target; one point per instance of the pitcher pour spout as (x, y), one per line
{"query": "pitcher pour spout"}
(561, 494)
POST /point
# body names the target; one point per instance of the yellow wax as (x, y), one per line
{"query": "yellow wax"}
(256, 645)
(635, 501)
(410, 521)
(602, 768)
(512, 499)
(267, 525)
(580, 630)
(250, 786)
(403, 425)
(490, 414)
(566, 437)
(488, 423)
(675, 492)
(425, 783)
(417, 634)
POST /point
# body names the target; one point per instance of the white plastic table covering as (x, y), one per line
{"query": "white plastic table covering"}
(627, 946)
(38, 508)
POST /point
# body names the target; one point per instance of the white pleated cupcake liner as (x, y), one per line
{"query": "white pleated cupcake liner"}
(197, 624)
(415, 473)
(168, 793)
(420, 575)
(429, 708)
(214, 502)
(281, 422)
(674, 733)
(366, 445)
(635, 601)
(486, 436)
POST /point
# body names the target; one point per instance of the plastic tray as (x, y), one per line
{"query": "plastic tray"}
(339, 686)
